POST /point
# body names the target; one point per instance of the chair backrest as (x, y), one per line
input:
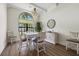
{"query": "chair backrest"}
(42, 36)
(10, 33)
(22, 35)
(11, 37)
(74, 35)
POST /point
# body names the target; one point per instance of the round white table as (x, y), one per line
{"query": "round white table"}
(30, 37)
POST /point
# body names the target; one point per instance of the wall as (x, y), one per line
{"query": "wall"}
(67, 20)
(13, 21)
(3, 26)
(13, 13)
(65, 15)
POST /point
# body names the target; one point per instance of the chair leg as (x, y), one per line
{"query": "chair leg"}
(20, 46)
(19, 53)
(27, 44)
(66, 45)
(34, 45)
(77, 49)
(37, 48)
(37, 52)
(44, 50)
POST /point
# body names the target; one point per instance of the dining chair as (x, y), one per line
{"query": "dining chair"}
(30, 39)
(73, 40)
(11, 37)
(23, 42)
(39, 42)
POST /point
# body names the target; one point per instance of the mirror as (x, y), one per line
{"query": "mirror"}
(51, 23)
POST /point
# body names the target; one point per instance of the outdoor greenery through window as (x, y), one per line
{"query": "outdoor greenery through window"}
(25, 22)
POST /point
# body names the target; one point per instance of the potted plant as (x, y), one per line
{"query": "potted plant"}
(38, 27)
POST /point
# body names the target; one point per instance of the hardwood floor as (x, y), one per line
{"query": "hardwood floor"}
(51, 50)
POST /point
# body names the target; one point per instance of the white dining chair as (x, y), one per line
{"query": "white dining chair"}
(73, 40)
(11, 37)
(23, 42)
(40, 44)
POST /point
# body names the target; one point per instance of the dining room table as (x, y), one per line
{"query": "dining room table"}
(30, 37)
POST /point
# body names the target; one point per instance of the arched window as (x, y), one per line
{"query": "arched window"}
(25, 21)
(25, 16)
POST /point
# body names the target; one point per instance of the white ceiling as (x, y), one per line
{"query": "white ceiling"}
(30, 6)
(44, 6)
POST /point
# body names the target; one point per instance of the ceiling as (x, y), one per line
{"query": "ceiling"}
(42, 6)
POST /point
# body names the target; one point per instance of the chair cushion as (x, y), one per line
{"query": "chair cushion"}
(73, 40)
(36, 39)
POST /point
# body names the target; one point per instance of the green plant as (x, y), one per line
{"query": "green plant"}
(38, 27)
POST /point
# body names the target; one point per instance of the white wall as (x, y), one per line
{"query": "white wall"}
(3, 26)
(67, 20)
(13, 13)
(65, 15)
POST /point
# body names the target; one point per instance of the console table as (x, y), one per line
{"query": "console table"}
(52, 37)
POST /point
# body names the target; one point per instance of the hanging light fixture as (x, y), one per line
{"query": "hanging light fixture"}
(57, 4)
(34, 11)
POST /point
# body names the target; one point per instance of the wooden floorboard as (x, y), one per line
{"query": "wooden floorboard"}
(51, 50)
